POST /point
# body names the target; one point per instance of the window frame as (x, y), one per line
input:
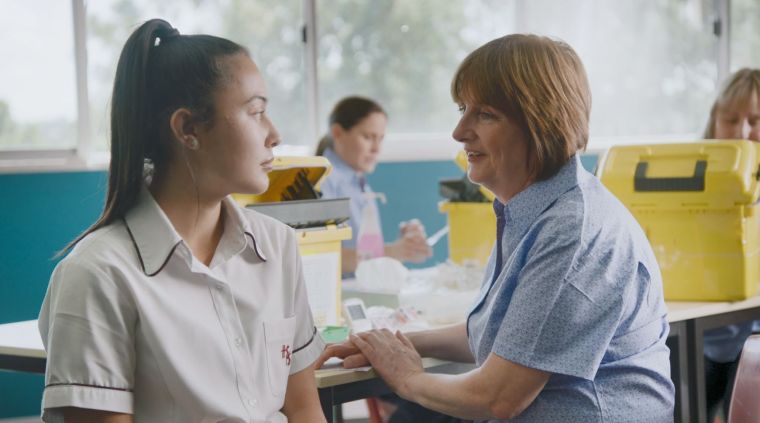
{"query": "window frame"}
(427, 146)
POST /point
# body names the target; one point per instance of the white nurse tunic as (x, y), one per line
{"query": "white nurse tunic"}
(133, 323)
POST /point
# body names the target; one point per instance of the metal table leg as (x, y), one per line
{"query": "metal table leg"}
(679, 370)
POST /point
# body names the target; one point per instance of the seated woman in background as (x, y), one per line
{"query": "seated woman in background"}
(734, 115)
(570, 324)
(736, 112)
(356, 131)
(177, 305)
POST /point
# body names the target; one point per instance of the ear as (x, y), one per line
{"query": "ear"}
(336, 131)
(183, 128)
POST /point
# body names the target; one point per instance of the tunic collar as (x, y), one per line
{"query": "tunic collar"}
(342, 170)
(155, 238)
(524, 208)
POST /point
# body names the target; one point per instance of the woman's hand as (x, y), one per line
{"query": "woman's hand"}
(352, 357)
(392, 356)
(411, 244)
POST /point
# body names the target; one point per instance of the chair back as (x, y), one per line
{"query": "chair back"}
(745, 400)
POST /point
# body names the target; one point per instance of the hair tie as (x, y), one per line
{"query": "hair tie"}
(164, 35)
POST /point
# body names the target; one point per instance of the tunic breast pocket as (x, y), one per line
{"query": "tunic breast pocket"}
(278, 335)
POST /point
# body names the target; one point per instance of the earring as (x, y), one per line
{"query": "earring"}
(192, 143)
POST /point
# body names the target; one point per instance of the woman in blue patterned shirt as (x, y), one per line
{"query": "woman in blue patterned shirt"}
(571, 323)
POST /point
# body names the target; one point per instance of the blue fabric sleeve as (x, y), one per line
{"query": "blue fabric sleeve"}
(552, 324)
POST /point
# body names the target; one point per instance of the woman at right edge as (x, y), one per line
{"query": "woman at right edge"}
(735, 115)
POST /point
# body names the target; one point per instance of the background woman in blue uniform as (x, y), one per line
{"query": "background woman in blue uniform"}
(571, 323)
(734, 115)
(355, 135)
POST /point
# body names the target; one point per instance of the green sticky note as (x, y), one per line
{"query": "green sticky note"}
(334, 334)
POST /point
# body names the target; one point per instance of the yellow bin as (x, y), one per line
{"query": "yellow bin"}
(472, 231)
(697, 204)
(320, 250)
(472, 226)
(319, 246)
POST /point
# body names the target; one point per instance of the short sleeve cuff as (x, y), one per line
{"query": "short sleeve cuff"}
(523, 358)
(307, 354)
(92, 397)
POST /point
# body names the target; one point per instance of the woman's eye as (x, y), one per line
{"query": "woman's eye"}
(729, 119)
(461, 108)
(257, 113)
(486, 115)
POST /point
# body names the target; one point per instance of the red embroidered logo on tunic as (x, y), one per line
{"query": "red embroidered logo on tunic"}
(286, 354)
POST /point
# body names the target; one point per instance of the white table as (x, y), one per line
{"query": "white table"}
(21, 347)
(688, 323)
(21, 350)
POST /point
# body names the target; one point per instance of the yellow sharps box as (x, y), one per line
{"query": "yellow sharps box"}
(697, 204)
(471, 220)
(320, 224)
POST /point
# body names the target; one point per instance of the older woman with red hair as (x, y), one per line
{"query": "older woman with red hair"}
(570, 324)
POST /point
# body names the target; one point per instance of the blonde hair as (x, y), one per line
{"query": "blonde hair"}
(539, 82)
(736, 94)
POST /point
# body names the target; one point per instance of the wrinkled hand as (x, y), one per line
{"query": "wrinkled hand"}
(412, 244)
(392, 356)
(352, 357)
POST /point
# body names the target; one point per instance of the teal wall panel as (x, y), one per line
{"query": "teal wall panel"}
(40, 214)
(411, 190)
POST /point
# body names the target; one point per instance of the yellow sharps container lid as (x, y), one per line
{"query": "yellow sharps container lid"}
(291, 178)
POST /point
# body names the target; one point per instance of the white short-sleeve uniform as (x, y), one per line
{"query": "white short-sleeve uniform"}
(133, 323)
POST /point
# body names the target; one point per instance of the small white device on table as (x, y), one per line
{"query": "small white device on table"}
(356, 315)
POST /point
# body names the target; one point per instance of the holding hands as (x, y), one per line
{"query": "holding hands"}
(392, 356)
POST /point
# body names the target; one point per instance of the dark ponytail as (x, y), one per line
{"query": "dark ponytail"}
(347, 113)
(159, 71)
(324, 143)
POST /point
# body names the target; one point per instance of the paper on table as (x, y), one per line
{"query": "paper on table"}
(336, 364)
(320, 272)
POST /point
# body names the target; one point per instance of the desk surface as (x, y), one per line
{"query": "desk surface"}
(22, 339)
(683, 310)
(333, 377)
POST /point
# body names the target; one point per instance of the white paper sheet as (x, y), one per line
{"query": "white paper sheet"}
(323, 286)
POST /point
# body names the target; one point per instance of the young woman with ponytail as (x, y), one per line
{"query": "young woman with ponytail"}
(177, 305)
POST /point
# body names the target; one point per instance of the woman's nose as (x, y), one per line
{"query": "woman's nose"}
(746, 129)
(273, 138)
(460, 131)
(376, 144)
(754, 132)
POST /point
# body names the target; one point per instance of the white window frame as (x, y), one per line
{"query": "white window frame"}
(396, 148)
